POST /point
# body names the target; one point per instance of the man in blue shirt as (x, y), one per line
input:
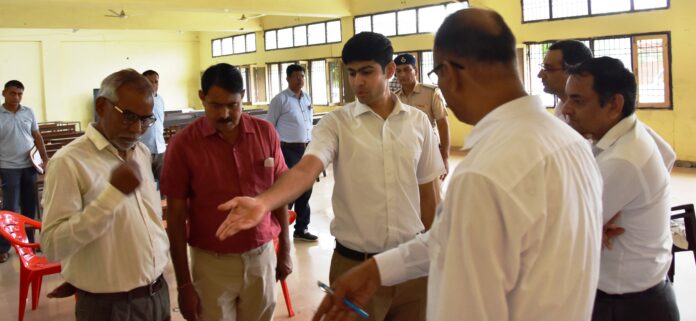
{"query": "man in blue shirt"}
(153, 138)
(291, 114)
(19, 132)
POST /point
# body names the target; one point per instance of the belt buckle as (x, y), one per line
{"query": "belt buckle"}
(151, 287)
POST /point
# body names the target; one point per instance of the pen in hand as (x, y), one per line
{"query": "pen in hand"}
(347, 302)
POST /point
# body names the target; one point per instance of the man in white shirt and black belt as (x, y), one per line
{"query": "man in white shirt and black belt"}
(385, 160)
(518, 235)
(632, 284)
(103, 213)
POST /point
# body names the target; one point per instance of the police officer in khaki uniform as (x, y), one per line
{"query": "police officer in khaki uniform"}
(428, 99)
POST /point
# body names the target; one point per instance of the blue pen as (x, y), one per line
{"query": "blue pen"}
(347, 302)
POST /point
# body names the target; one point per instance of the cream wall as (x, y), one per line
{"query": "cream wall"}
(59, 68)
(676, 125)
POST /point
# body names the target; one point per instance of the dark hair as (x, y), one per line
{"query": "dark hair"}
(150, 72)
(224, 76)
(368, 46)
(469, 38)
(610, 77)
(293, 68)
(14, 83)
(574, 52)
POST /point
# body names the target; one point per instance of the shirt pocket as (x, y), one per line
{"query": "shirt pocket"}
(408, 155)
(25, 125)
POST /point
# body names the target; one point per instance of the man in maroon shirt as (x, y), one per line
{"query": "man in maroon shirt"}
(225, 154)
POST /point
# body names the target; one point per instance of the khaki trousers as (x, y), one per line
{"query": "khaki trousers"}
(401, 302)
(235, 286)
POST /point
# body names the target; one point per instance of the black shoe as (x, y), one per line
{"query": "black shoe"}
(305, 236)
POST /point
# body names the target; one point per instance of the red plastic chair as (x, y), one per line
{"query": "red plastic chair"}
(284, 285)
(32, 267)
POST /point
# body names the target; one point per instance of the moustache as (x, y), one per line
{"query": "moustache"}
(224, 120)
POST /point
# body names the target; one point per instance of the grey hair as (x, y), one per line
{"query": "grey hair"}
(113, 82)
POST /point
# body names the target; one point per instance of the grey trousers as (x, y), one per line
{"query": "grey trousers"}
(654, 304)
(147, 308)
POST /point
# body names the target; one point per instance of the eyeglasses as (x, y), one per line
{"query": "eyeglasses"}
(433, 76)
(129, 118)
(550, 69)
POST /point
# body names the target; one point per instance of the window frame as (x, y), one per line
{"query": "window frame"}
(306, 25)
(589, 11)
(667, 64)
(244, 35)
(396, 20)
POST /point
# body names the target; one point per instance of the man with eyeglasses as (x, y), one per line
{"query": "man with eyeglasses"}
(103, 214)
(518, 234)
(561, 55)
(225, 154)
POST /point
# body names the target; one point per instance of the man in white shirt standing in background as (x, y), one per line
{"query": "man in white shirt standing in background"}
(153, 138)
(632, 280)
(292, 115)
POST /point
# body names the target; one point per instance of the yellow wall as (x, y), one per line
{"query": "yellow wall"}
(59, 68)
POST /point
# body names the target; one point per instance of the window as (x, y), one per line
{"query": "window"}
(300, 36)
(259, 88)
(407, 21)
(536, 10)
(426, 65)
(318, 82)
(274, 80)
(234, 45)
(317, 33)
(285, 38)
(333, 31)
(304, 35)
(335, 81)
(244, 70)
(271, 41)
(646, 55)
(384, 23)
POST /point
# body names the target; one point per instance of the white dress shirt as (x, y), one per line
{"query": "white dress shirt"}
(378, 165)
(636, 183)
(153, 137)
(519, 233)
(106, 241)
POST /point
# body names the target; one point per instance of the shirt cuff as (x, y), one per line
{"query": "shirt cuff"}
(110, 198)
(391, 266)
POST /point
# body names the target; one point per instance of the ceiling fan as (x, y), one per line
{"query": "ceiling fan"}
(245, 17)
(115, 14)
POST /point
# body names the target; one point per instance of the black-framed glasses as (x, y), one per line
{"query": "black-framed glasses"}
(547, 68)
(433, 76)
(129, 118)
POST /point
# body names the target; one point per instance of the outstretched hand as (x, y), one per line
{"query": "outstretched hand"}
(244, 213)
(358, 285)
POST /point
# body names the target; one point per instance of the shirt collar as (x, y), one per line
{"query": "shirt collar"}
(209, 130)
(621, 128)
(512, 109)
(290, 93)
(361, 108)
(4, 110)
(97, 138)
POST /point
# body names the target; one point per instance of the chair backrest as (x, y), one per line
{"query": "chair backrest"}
(687, 213)
(12, 228)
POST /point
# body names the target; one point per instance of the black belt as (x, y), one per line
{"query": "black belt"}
(632, 295)
(352, 254)
(293, 145)
(143, 291)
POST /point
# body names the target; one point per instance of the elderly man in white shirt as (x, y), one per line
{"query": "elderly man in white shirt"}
(385, 157)
(518, 235)
(103, 213)
(635, 167)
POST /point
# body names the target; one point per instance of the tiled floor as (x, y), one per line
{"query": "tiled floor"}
(311, 263)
